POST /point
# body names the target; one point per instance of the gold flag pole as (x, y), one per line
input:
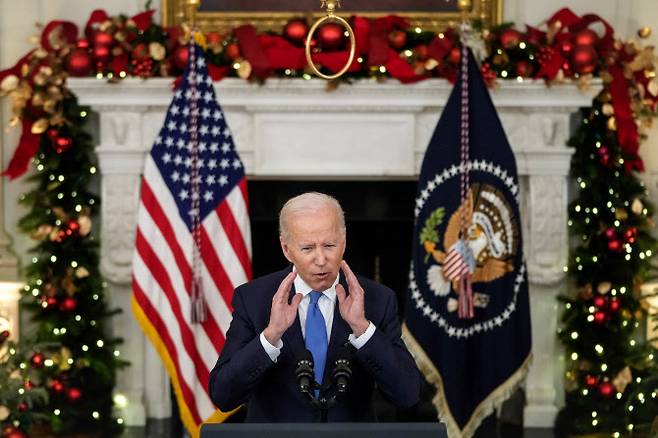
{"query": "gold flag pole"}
(331, 6)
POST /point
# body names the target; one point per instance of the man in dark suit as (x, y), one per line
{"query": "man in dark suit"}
(278, 316)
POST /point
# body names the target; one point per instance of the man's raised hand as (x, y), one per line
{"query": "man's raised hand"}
(282, 314)
(351, 306)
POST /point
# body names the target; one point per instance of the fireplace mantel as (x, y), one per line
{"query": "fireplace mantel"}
(296, 129)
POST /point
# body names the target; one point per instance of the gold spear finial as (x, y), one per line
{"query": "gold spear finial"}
(330, 5)
(465, 8)
(192, 7)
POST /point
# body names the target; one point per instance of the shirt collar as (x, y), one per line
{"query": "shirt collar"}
(302, 288)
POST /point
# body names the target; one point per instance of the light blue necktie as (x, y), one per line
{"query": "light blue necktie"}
(316, 337)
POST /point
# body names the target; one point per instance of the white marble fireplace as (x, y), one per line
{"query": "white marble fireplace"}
(295, 129)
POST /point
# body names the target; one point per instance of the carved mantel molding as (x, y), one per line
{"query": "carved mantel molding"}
(295, 129)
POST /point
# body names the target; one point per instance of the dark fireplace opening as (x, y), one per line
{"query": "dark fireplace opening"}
(378, 216)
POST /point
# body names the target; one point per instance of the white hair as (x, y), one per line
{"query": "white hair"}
(308, 202)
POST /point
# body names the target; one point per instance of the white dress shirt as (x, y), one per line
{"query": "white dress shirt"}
(326, 303)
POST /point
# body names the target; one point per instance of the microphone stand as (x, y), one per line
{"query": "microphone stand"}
(340, 379)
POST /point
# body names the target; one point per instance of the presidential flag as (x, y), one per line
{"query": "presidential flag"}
(467, 316)
(193, 243)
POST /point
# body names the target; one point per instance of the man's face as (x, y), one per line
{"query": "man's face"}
(315, 245)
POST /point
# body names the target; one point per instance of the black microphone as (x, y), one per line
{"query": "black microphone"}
(304, 372)
(342, 373)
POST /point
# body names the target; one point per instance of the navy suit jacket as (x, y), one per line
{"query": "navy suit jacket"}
(245, 373)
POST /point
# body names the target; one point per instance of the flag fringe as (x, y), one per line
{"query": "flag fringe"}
(483, 410)
(186, 416)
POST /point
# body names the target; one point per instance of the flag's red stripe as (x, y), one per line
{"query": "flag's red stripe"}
(160, 218)
(234, 234)
(154, 317)
(160, 275)
(245, 194)
(216, 270)
(151, 203)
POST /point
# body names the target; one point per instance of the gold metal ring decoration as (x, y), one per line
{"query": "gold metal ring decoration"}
(331, 7)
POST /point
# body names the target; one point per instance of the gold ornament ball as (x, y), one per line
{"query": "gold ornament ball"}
(644, 32)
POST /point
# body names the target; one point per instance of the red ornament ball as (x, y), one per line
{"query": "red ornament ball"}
(62, 144)
(331, 36)
(591, 381)
(614, 305)
(600, 317)
(14, 433)
(82, 43)
(455, 55)
(140, 51)
(604, 156)
(102, 53)
(510, 38)
(566, 47)
(74, 394)
(181, 54)
(523, 68)
(69, 304)
(51, 301)
(606, 389)
(584, 59)
(78, 63)
(57, 386)
(422, 52)
(599, 301)
(586, 37)
(233, 51)
(28, 385)
(295, 31)
(37, 360)
(397, 39)
(213, 38)
(22, 407)
(102, 39)
(614, 245)
(52, 134)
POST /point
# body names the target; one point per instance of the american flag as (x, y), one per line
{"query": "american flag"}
(193, 167)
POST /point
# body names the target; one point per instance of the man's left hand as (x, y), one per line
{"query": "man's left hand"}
(351, 306)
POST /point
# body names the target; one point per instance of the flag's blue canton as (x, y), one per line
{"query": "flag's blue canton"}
(220, 168)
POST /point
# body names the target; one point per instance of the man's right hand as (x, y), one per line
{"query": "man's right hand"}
(282, 314)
